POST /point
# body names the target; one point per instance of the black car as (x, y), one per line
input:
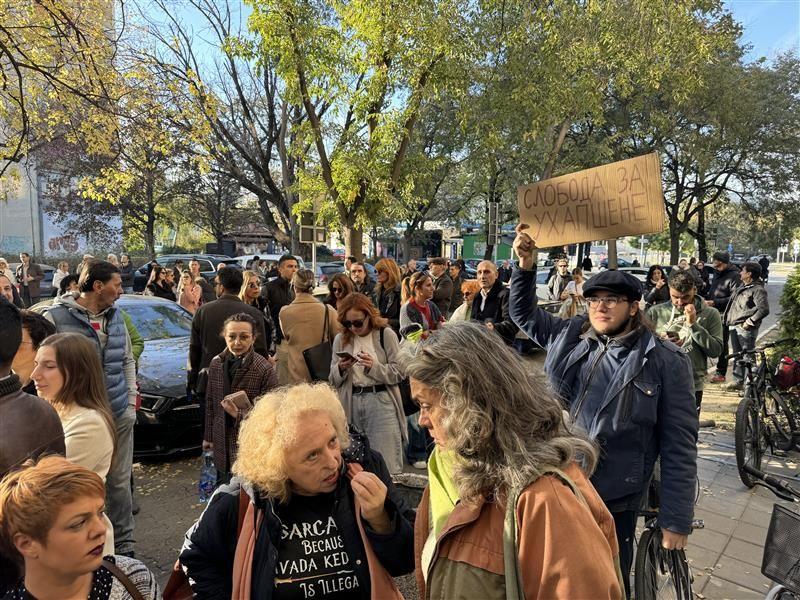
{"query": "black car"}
(167, 422)
(208, 266)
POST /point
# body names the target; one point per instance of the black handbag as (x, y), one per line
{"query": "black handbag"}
(318, 358)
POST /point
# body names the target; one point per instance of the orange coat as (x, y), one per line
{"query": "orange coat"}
(566, 549)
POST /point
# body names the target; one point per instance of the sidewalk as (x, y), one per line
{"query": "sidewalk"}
(726, 556)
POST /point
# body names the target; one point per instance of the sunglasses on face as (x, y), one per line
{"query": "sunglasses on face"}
(336, 289)
(357, 323)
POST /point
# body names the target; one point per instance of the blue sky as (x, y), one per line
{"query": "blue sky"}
(770, 26)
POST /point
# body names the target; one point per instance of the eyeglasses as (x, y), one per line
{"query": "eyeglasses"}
(357, 323)
(336, 289)
(252, 285)
(608, 301)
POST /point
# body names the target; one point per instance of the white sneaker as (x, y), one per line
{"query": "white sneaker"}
(419, 464)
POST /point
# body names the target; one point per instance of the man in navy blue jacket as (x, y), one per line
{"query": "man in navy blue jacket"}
(632, 392)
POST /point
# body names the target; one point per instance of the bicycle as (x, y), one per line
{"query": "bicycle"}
(658, 572)
(764, 419)
(781, 560)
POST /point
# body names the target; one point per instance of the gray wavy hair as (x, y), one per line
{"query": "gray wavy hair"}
(504, 423)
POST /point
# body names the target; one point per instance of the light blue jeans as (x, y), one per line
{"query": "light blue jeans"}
(375, 415)
(119, 501)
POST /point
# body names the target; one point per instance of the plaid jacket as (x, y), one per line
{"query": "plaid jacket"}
(256, 376)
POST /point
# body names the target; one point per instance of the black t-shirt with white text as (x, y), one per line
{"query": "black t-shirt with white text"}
(312, 559)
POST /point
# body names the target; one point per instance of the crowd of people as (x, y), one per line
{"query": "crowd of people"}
(311, 408)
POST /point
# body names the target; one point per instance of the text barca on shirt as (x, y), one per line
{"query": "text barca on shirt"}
(312, 560)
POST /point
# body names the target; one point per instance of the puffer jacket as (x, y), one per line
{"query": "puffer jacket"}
(648, 408)
(748, 306)
(209, 547)
(566, 547)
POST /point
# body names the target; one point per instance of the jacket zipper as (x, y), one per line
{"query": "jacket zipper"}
(596, 362)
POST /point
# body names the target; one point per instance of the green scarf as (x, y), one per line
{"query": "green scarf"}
(442, 489)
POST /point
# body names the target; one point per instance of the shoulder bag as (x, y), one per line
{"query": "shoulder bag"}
(123, 579)
(318, 358)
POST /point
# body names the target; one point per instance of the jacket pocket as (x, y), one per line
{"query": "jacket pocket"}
(642, 402)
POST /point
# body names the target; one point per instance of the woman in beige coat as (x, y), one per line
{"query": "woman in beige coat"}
(302, 323)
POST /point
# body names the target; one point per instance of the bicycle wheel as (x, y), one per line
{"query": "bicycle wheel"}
(748, 438)
(782, 420)
(660, 574)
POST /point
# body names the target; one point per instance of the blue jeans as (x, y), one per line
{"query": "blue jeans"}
(420, 442)
(119, 500)
(741, 339)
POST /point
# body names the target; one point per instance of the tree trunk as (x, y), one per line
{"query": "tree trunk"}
(674, 244)
(702, 244)
(612, 254)
(353, 240)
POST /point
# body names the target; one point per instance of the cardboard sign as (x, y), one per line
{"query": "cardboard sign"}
(602, 203)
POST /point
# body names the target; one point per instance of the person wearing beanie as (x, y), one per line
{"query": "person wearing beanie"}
(724, 281)
(630, 390)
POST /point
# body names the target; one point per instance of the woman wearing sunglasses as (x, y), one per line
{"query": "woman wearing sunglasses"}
(339, 287)
(365, 373)
(250, 293)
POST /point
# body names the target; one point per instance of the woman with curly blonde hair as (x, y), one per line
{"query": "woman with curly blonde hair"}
(503, 447)
(317, 508)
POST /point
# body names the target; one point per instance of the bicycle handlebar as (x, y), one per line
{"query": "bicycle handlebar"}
(758, 350)
(777, 486)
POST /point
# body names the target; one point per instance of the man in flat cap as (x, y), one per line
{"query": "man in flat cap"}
(631, 391)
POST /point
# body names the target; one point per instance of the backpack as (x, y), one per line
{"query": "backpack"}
(787, 375)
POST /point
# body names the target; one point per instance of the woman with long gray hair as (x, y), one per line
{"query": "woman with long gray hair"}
(507, 480)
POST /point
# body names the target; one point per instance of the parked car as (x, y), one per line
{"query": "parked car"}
(270, 258)
(208, 267)
(167, 422)
(46, 284)
(327, 270)
(621, 262)
(758, 257)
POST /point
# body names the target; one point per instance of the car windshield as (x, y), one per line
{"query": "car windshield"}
(159, 320)
(331, 269)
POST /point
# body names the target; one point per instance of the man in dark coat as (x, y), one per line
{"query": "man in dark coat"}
(490, 305)
(504, 272)
(206, 340)
(456, 271)
(279, 293)
(362, 283)
(29, 426)
(725, 280)
(442, 285)
(29, 276)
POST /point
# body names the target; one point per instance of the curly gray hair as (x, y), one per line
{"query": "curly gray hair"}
(504, 423)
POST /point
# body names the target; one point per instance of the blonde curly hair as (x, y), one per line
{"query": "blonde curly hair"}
(273, 425)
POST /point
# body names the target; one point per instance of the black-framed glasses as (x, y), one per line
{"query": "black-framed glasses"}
(357, 323)
(336, 289)
(608, 301)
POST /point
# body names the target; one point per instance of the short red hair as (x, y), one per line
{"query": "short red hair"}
(32, 496)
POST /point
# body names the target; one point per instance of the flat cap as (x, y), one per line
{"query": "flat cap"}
(618, 282)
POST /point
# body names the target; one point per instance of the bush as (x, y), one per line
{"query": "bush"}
(790, 318)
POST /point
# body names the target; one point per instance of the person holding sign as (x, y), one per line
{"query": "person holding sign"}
(628, 389)
(317, 513)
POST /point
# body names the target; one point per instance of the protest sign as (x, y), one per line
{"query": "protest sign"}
(602, 203)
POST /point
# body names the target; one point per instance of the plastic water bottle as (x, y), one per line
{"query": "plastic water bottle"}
(208, 476)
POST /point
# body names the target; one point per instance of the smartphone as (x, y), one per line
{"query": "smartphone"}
(346, 355)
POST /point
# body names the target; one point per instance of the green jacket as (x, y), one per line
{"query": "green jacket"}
(701, 341)
(137, 343)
